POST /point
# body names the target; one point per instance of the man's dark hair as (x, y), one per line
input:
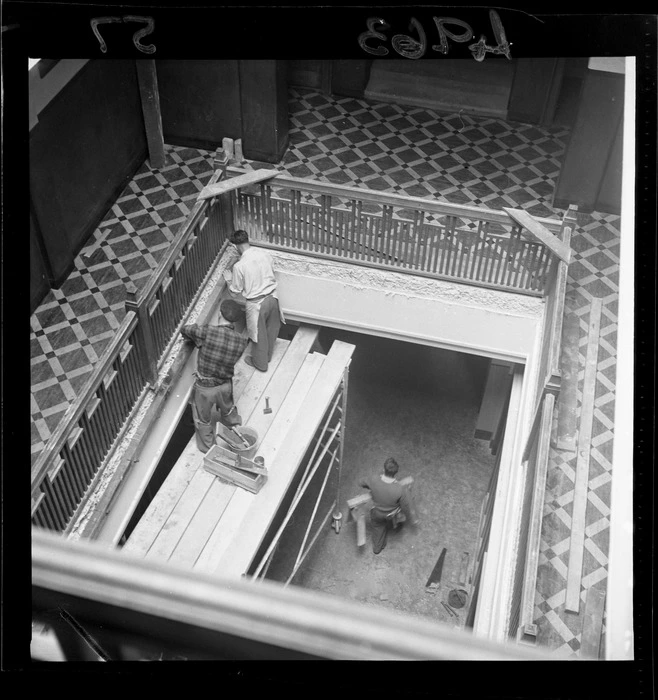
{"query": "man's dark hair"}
(239, 237)
(391, 467)
(231, 310)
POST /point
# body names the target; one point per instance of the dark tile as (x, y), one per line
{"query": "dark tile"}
(41, 372)
(147, 182)
(50, 317)
(130, 206)
(115, 231)
(385, 163)
(199, 168)
(171, 213)
(335, 142)
(401, 176)
(346, 157)
(63, 337)
(135, 265)
(79, 381)
(49, 397)
(74, 284)
(310, 150)
(376, 130)
(84, 305)
(125, 247)
(53, 421)
(104, 275)
(73, 360)
(301, 171)
(319, 130)
(95, 326)
(153, 238)
(392, 142)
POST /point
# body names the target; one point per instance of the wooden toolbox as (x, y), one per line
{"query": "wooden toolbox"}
(234, 468)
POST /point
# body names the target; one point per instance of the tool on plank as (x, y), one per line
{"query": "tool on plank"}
(267, 408)
(241, 436)
(451, 612)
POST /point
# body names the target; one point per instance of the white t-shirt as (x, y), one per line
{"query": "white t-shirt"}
(253, 274)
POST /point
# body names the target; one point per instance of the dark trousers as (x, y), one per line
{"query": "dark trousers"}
(269, 323)
(205, 403)
(379, 525)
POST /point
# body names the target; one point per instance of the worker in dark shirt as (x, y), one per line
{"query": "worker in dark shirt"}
(220, 347)
(392, 504)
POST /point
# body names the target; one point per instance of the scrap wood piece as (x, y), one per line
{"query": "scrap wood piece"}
(592, 624)
(463, 569)
(435, 576)
(540, 233)
(581, 485)
(235, 183)
(366, 498)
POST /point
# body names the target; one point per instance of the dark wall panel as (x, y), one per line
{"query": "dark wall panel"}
(350, 77)
(199, 101)
(609, 198)
(39, 284)
(591, 158)
(264, 102)
(88, 143)
(534, 89)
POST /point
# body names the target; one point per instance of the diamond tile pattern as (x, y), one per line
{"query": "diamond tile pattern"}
(453, 158)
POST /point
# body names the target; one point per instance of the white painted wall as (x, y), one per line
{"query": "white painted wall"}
(453, 316)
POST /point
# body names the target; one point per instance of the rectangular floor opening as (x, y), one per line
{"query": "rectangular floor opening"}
(420, 405)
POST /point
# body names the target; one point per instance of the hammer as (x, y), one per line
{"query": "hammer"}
(267, 408)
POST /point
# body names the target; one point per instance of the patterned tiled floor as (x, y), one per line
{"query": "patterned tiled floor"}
(454, 158)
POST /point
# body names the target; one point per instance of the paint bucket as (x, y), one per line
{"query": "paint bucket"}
(237, 446)
(457, 598)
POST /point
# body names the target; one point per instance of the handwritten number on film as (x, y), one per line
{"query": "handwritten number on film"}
(140, 34)
(410, 47)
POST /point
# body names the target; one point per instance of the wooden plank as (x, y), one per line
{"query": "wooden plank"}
(203, 523)
(366, 498)
(590, 641)
(235, 183)
(150, 524)
(232, 519)
(283, 379)
(299, 429)
(536, 514)
(180, 516)
(540, 233)
(576, 547)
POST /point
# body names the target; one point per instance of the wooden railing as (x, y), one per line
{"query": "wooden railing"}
(537, 448)
(135, 609)
(466, 244)
(70, 464)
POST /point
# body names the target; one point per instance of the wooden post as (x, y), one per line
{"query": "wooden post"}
(148, 91)
(143, 334)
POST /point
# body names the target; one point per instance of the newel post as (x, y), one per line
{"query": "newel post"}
(143, 334)
(224, 201)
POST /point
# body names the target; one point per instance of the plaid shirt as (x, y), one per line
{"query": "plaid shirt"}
(220, 348)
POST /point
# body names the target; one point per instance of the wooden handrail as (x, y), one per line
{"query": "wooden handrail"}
(75, 410)
(96, 581)
(403, 201)
(155, 280)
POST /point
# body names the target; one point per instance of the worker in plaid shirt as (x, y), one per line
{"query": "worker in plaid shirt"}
(220, 347)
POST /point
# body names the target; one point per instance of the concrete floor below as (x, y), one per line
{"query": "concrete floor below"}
(419, 405)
